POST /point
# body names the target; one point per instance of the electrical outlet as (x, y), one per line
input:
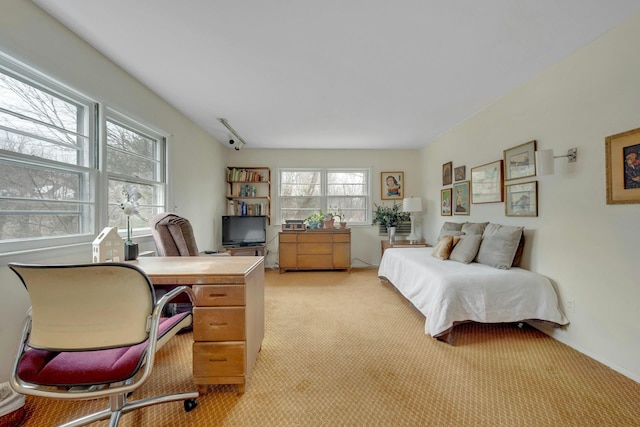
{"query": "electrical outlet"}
(571, 305)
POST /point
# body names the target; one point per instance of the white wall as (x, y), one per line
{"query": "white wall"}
(365, 241)
(587, 248)
(196, 160)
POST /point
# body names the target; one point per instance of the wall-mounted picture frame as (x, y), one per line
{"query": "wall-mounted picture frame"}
(391, 185)
(521, 199)
(520, 161)
(623, 167)
(445, 202)
(460, 198)
(447, 173)
(487, 183)
(460, 173)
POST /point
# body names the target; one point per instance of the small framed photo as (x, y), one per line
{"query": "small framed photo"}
(445, 202)
(522, 199)
(460, 198)
(391, 185)
(520, 161)
(447, 173)
(487, 183)
(623, 167)
(460, 173)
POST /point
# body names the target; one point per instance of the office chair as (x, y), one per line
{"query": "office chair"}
(92, 331)
(173, 235)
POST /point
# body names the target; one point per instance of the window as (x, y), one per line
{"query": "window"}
(54, 188)
(47, 161)
(135, 155)
(305, 191)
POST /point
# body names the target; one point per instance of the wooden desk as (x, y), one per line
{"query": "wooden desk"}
(386, 244)
(228, 312)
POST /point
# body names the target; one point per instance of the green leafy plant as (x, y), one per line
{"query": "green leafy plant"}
(389, 216)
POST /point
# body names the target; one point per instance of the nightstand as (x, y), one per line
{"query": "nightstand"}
(386, 244)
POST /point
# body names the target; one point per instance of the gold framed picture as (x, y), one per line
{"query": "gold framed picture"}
(521, 199)
(460, 173)
(391, 185)
(447, 173)
(487, 183)
(520, 161)
(623, 167)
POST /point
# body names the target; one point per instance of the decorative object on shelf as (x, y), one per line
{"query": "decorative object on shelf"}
(522, 199)
(623, 167)
(445, 202)
(460, 173)
(108, 246)
(520, 161)
(412, 205)
(460, 197)
(487, 184)
(391, 185)
(389, 217)
(447, 173)
(130, 207)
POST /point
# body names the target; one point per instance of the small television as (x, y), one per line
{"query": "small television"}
(244, 230)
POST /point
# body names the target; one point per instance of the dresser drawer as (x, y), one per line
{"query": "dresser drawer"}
(219, 295)
(315, 248)
(315, 261)
(218, 359)
(314, 237)
(342, 237)
(218, 324)
(288, 237)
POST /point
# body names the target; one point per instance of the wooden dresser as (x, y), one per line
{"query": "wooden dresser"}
(322, 249)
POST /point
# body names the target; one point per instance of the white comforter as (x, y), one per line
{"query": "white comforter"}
(449, 292)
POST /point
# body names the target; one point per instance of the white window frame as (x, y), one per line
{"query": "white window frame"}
(323, 188)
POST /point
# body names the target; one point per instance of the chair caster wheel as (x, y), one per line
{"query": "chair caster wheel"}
(189, 404)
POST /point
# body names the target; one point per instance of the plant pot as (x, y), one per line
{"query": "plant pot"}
(130, 251)
(343, 224)
(328, 223)
(392, 233)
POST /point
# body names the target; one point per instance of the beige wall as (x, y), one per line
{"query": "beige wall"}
(365, 246)
(587, 248)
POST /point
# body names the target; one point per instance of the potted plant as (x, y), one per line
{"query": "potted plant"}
(340, 215)
(314, 220)
(389, 217)
(328, 220)
(130, 207)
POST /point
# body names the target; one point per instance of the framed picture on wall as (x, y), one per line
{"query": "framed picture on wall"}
(445, 202)
(460, 196)
(520, 161)
(521, 199)
(391, 185)
(447, 173)
(623, 167)
(460, 173)
(487, 183)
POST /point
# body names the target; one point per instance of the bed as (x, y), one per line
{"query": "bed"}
(448, 292)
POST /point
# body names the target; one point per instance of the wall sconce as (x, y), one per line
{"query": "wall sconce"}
(544, 160)
(412, 205)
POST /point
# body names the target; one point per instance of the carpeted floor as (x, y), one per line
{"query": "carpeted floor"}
(348, 350)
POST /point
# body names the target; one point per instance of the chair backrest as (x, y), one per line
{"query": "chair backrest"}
(173, 235)
(87, 306)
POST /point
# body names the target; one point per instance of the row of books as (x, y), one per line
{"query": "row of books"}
(244, 175)
(238, 207)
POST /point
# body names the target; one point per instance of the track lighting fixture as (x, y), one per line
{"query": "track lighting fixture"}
(234, 139)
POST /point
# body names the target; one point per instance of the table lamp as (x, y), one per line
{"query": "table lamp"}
(412, 205)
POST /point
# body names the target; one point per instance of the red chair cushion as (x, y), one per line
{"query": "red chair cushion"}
(81, 368)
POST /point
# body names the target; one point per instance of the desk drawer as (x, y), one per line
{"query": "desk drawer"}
(219, 295)
(218, 324)
(218, 359)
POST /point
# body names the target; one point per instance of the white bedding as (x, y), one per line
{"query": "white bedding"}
(449, 292)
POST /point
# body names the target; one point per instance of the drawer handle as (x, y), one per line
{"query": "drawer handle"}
(224, 359)
(217, 295)
(218, 324)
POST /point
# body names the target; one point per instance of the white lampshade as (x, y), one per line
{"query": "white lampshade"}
(412, 204)
(544, 162)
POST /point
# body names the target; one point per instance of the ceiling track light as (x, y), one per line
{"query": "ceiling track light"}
(234, 139)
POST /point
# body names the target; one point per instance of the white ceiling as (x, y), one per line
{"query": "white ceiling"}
(336, 73)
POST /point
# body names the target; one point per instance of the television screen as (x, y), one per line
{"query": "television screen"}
(244, 230)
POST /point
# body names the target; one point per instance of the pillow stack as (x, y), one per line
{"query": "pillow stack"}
(495, 245)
